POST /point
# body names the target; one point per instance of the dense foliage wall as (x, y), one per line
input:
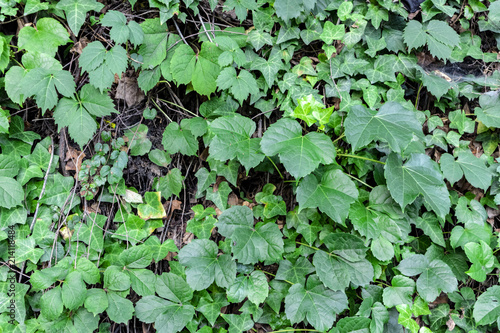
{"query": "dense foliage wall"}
(249, 165)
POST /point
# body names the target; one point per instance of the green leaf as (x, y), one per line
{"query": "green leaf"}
(288, 9)
(51, 303)
(315, 303)
(481, 257)
(400, 292)
(429, 223)
(405, 318)
(102, 64)
(138, 142)
(119, 31)
(220, 196)
(173, 287)
(259, 38)
(233, 140)
(204, 266)
(332, 32)
(25, 250)
(171, 183)
(90, 272)
(159, 157)
(419, 175)
(299, 154)
(42, 83)
(152, 209)
(250, 244)
(167, 316)
(392, 124)
(74, 291)
(96, 301)
(76, 12)
(177, 140)
(77, 114)
(58, 190)
(488, 113)
(253, 286)
(11, 193)
(296, 272)
(269, 68)
(9, 166)
(472, 233)
(201, 69)
(211, 309)
(160, 250)
(115, 279)
(154, 46)
(333, 195)
(487, 307)
(136, 257)
(241, 85)
(46, 38)
(474, 169)
(85, 321)
(435, 276)
(238, 323)
(120, 309)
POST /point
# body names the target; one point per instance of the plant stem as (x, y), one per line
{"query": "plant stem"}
(275, 167)
(361, 158)
(271, 274)
(295, 330)
(359, 180)
(340, 137)
(317, 249)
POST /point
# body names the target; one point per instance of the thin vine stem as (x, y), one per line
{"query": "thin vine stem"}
(295, 330)
(281, 176)
(317, 249)
(361, 158)
(359, 180)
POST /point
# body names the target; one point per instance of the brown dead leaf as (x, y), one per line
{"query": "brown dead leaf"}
(441, 299)
(170, 256)
(233, 199)
(176, 205)
(128, 90)
(450, 324)
(79, 45)
(187, 238)
(74, 159)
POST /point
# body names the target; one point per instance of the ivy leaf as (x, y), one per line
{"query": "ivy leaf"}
(201, 69)
(296, 272)
(400, 292)
(177, 140)
(299, 154)
(253, 286)
(233, 140)
(46, 38)
(160, 157)
(152, 209)
(42, 84)
(204, 266)
(288, 9)
(419, 175)
(487, 307)
(74, 291)
(259, 38)
(435, 276)
(269, 68)
(429, 223)
(11, 193)
(76, 11)
(474, 169)
(332, 32)
(392, 124)
(405, 318)
(171, 183)
(219, 195)
(241, 85)
(333, 195)
(481, 256)
(250, 244)
(438, 35)
(160, 250)
(315, 303)
(383, 69)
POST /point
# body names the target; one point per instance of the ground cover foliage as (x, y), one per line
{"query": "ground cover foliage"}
(249, 165)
